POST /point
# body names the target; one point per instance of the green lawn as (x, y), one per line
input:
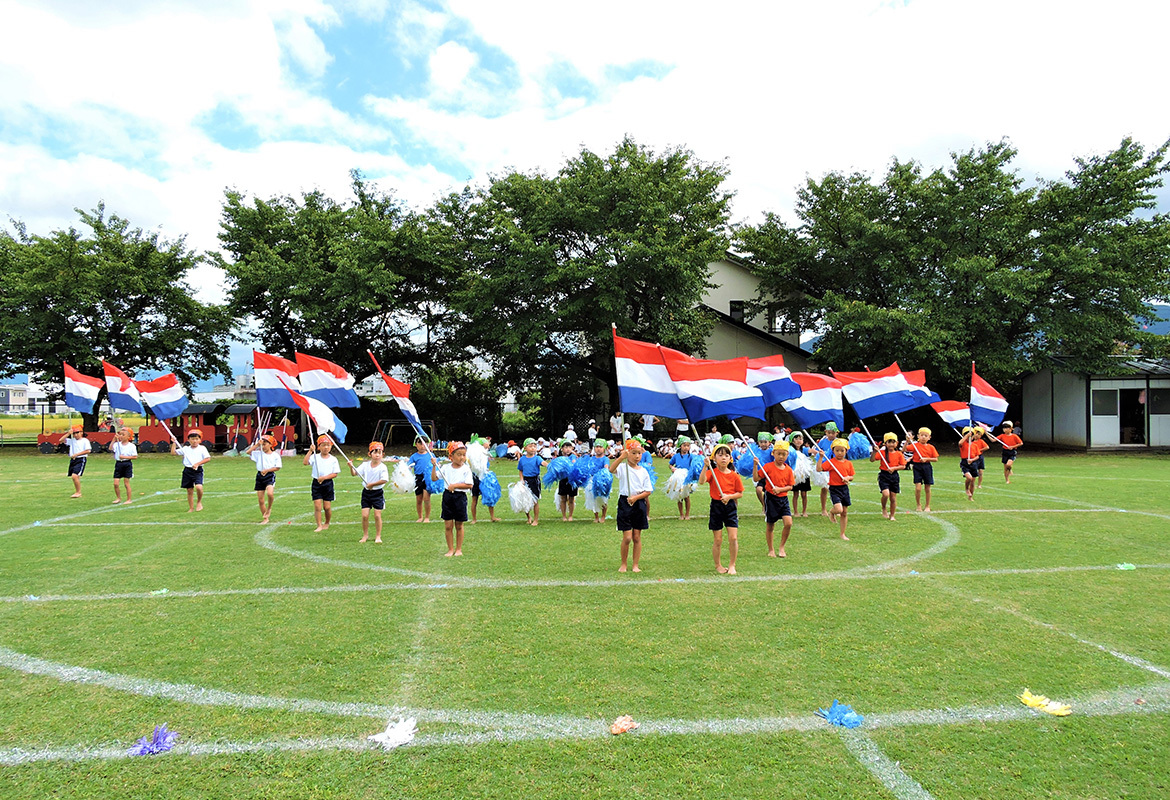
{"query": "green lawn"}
(274, 651)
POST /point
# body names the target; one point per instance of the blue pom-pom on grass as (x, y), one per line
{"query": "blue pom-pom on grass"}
(158, 742)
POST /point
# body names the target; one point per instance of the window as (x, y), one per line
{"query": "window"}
(1159, 401)
(737, 310)
(1104, 402)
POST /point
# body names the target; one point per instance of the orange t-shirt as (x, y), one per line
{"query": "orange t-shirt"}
(730, 482)
(980, 446)
(845, 468)
(969, 450)
(1011, 441)
(926, 451)
(780, 475)
(890, 462)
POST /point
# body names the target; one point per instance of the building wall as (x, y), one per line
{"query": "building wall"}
(1037, 419)
(735, 282)
(1069, 423)
(1159, 405)
(727, 341)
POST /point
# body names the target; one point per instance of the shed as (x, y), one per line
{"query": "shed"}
(1126, 410)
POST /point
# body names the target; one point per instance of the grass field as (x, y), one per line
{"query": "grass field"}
(26, 428)
(274, 651)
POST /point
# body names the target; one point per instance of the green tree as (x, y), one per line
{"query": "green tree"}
(968, 263)
(116, 293)
(333, 279)
(547, 263)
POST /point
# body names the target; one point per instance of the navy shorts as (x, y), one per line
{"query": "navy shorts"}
(803, 486)
(533, 482)
(840, 496)
(322, 490)
(1008, 455)
(454, 506)
(775, 508)
(889, 481)
(969, 467)
(979, 465)
(632, 517)
(76, 466)
(192, 477)
(475, 492)
(567, 489)
(420, 485)
(123, 469)
(373, 498)
(264, 481)
(924, 473)
(723, 515)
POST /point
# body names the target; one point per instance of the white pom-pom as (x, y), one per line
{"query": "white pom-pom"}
(477, 458)
(820, 479)
(521, 498)
(403, 478)
(677, 488)
(802, 470)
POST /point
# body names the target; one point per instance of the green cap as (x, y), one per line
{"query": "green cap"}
(726, 438)
(763, 436)
(682, 440)
(600, 443)
(529, 441)
(830, 426)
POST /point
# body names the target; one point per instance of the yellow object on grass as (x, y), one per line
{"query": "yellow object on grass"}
(1042, 703)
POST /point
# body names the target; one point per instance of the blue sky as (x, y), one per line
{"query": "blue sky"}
(157, 106)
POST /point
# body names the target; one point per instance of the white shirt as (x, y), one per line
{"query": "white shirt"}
(682, 426)
(193, 455)
(648, 421)
(514, 451)
(266, 460)
(78, 446)
(324, 465)
(452, 474)
(632, 480)
(615, 424)
(571, 435)
(124, 450)
(371, 474)
(592, 432)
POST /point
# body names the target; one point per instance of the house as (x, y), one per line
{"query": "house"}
(1128, 410)
(735, 334)
(13, 398)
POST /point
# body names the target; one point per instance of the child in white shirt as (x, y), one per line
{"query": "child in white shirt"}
(194, 455)
(79, 448)
(124, 454)
(457, 486)
(374, 476)
(325, 468)
(268, 462)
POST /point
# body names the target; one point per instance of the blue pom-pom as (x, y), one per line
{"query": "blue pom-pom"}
(435, 487)
(648, 462)
(583, 470)
(792, 452)
(159, 742)
(602, 483)
(858, 447)
(840, 714)
(558, 470)
(696, 469)
(745, 465)
(490, 490)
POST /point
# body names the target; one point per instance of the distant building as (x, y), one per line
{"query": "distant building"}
(13, 398)
(242, 390)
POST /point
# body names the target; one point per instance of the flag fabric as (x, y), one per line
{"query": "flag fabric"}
(987, 405)
(164, 395)
(401, 393)
(953, 412)
(819, 401)
(276, 380)
(122, 393)
(917, 380)
(322, 416)
(871, 393)
(709, 389)
(81, 391)
(772, 378)
(325, 381)
(644, 385)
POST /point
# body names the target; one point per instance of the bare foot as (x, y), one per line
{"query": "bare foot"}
(637, 568)
(263, 520)
(622, 568)
(890, 518)
(731, 570)
(495, 519)
(377, 541)
(824, 513)
(885, 515)
(783, 554)
(128, 502)
(427, 519)
(115, 502)
(570, 518)
(721, 569)
(472, 522)
(198, 506)
(771, 554)
(318, 529)
(189, 510)
(458, 552)
(833, 517)
(76, 495)
(805, 514)
(926, 510)
(449, 553)
(419, 519)
(363, 540)
(844, 538)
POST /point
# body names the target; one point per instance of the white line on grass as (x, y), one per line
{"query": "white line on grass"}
(106, 509)
(889, 773)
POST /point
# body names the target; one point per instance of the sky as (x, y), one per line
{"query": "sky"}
(156, 107)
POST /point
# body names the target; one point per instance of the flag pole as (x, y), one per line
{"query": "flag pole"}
(907, 433)
(754, 458)
(881, 455)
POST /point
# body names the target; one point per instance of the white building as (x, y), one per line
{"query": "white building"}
(13, 398)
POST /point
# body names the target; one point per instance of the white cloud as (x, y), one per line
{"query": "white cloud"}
(450, 65)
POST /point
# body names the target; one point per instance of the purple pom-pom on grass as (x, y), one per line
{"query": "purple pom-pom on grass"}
(159, 742)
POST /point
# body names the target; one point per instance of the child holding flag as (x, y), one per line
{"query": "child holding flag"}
(374, 476)
(1011, 443)
(326, 467)
(420, 460)
(825, 446)
(529, 466)
(633, 509)
(969, 461)
(922, 457)
(981, 447)
(268, 463)
(79, 449)
(124, 454)
(725, 487)
(841, 474)
(778, 480)
(889, 481)
(457, 478)
(194, 455)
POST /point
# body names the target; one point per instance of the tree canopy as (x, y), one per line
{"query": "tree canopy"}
(936, 269)
(117, 293)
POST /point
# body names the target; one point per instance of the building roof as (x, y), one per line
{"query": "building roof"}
(1125, 364)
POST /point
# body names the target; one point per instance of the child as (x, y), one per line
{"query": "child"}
(726, 487)
(268, 463)
(124, 454)
(565, 488)
(840, 471)
(420, 460)
(374, 476)
(682, 460)
(889, 481)
(969, 461)
(1011, 443)
(981, 446)
(476, 493)
(194, 455)
(778, 481)
(600, 448)
(457, 477)
(79, 448)
(529, 466)
(632, 511)
(801, 490)
(762, 451)
(325, 469)
(923, 455)
(825, 445)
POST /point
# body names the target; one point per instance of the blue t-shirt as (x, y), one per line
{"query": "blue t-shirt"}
(421, 463)
(530, 466)
(764, 456)
(681, 460)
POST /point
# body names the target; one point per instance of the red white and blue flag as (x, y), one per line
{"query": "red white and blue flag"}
(709, 389)
(401, 393)
(81, 391)
(122, 393)
(918, 388)
(325, 381)
(883, 392)
(165, 396)
(819, 401)
(953, 412)
(987, 405)
(644, 384)
(276, 379)
(322, 416)
(772, 378)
